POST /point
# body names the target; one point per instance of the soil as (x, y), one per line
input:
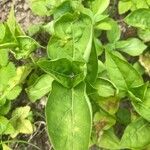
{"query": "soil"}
(23, 13)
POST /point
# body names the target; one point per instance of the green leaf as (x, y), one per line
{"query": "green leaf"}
(66, 6)
(109, 104)
(139, 68)
(105, 88)
(143, 107)
(134, 133)
(40, 88)
(148, 2)
(103, 26)
(14, 93)
(98, 7)
(4, 109)
(144, 34)
(26, 46)
(101, 68)
(68, 73)
(109, 140)
(41, 7)
(11, 22)
(131, 46)
(5, 126)
(92, 66)
(2, 31)
(114, 34)
(6, 73)
(98, 46)
(139, 18)
(49, 27)
(20, 75)
(72, 39)
(121, 73)
(138, 92)
(124, 6)
(140, 4)
(20, 121)
(3, 57)
(68, 116)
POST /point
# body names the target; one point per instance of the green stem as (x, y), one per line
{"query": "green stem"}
(21, 141)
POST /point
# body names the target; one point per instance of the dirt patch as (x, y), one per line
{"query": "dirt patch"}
(23, 13)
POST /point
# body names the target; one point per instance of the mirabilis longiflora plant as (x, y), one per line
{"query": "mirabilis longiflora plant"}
(94, 92)
(85, 103)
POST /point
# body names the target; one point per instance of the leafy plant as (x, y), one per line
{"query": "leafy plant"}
(97, 93)
(126, 5)
(83, 82)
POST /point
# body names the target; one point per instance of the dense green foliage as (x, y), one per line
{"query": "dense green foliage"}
(93, 76)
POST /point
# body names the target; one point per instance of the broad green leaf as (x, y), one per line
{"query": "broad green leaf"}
(98, 7)
(103, 26)
(68, 73)
(40, 88)
(105, 88)
(124, 6)
(5, 126)
(136, 135)
(109, 140)
(14, 93)
(72, 39)
(68, 116)
(20, 121)
(143, 107)
(114, 34)
(2, 31)
(92, 66)
(121, 73)
(144, 34)
(139, 18)
(131, 46)
(3, 57)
